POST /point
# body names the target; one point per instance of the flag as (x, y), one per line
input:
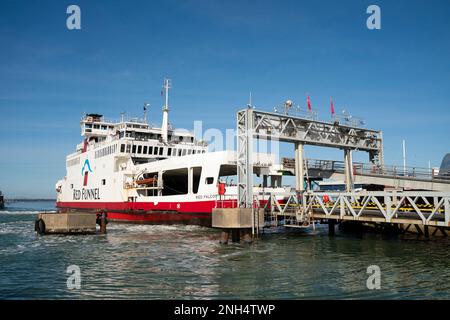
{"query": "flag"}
(308, 100)
(332, 106)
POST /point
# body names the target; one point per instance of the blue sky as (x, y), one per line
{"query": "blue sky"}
(215, 52)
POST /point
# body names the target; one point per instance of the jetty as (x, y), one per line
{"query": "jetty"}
(70, 223)
(409, 200)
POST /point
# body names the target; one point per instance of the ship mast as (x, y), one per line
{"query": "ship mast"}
(165, 109)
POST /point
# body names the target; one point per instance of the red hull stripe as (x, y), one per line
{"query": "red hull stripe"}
(158, 217)
(194, 212)
(198, 206)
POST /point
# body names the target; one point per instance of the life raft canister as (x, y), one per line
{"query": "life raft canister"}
(221, 188)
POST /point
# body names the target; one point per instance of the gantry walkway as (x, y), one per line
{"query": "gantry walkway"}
(394, 207)
(428, 206)
(409, 178)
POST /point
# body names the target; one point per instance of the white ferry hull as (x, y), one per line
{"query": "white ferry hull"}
(194, 206)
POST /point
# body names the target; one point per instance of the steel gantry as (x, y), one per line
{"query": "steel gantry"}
(252, 123)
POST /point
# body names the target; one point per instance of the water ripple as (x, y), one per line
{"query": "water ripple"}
(187, 262)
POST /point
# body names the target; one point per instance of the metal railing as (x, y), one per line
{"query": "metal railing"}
(420, 208)
(424, 208)
(231, 201)
(369, 169)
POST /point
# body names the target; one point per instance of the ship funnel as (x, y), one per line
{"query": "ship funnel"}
(165, 121)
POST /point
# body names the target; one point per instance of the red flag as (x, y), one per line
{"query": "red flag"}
(308, 100)
(332, 106)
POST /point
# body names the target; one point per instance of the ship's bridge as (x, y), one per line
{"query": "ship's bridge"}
(93, 125)
(96, 127)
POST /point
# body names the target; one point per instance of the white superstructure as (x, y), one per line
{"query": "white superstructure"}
(141, 172)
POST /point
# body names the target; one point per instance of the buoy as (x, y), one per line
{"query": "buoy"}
(326, 198)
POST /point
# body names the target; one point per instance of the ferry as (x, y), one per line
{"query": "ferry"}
(138, 172)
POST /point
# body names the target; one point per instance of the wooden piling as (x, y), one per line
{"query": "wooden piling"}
(103, 223)
(331, 227)
(224, 236)
(235, 235)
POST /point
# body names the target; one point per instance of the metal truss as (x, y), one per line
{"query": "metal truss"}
(253, 123)
(267, 125)
(419, 208)
(244, 158)
(422, 208)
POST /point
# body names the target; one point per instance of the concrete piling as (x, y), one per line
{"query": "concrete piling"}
(65, 223)
(237, 223)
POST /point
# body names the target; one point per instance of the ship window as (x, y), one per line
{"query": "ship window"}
(161, 150)
(134, 149)
(71, 186)
(145, 150)
(169, 151)
(184, 152)
(139, 149)
(104, 127)
(179, 152)
(88, 125)
(155, 151)
(175, 182)
(189, 151)
(103, 182)
(150, 150)
(128, 148)
(228, 173)
(96, 126)
(209, 180)
(196, 173)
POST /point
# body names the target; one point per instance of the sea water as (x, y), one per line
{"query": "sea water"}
(187, 262)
